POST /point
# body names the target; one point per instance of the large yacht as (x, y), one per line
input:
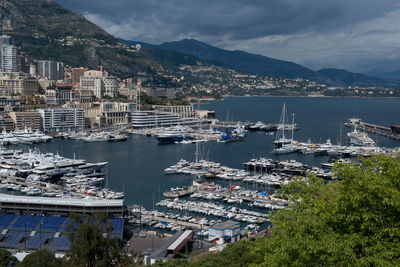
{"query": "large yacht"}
(173, 135)
(360, 138)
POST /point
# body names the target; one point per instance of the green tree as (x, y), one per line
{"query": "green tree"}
(235, 255)
(91, 244)
(355, 221)
(42, 258)
(6, 258)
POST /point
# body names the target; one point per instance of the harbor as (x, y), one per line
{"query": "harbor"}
(373, 128)
(51, 175)
(141, 160)
(178, 186)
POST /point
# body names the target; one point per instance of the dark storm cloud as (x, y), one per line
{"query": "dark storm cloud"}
(353, 34)
(237, 19)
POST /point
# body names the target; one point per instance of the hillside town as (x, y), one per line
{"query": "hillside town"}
(82, 98)
(112, 153)
(49, 96)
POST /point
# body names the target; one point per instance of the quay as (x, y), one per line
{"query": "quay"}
(372, 128)
(229, 123)
(175, 221)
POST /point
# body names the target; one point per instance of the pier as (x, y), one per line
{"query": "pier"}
(373, 128)
(177, 222)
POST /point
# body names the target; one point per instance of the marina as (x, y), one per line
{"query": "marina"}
(26, 136)
(164, 179)
(136, 134)
(373, 128)
(51, 175)
(136, 169)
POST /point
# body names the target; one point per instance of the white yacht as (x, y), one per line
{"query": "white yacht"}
(360, 138)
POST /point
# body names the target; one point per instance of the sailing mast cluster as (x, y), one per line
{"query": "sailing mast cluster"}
(361, 143)
(282, 144)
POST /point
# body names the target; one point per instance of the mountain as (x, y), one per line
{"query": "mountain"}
(44, 29)
(240, 60)
(340, 77)
(261, 65)
(393, 74)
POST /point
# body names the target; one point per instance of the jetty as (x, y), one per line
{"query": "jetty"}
(372, 128)
(177, 222)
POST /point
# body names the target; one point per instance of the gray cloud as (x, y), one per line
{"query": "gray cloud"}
(334, 33)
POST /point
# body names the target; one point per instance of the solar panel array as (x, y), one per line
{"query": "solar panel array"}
(12, 239)
(61, 243)
(43, 230)
(26, 222)
(39, 240)
(65, 225)
(51, 224)
(5, 220)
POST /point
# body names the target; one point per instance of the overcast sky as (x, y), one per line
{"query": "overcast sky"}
(358, 35)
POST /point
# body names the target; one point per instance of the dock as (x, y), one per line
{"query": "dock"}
(177, 222)
(373, 128)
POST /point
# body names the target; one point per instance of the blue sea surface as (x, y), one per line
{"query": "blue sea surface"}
(137, 165)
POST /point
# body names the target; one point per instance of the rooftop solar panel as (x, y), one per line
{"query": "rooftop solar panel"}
(51, 224)
(61, 243)
(13, 239)
(38, 241)
(6, 219)
(28, 222)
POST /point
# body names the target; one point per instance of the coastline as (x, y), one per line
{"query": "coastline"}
(319, 96)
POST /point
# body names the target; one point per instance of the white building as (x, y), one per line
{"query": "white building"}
(62, 119)
(32, 70)
(154, 118)
(4, 40)
(228, 230)
(100, 83)
(51, 70)
(9, 60)
(186, 111)
(109, 113)
(20, 83)
(110, 86)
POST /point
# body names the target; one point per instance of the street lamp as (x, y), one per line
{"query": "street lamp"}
(40, 235)
(25, 235)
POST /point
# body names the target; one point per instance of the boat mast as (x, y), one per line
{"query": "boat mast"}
(293, 125)
(139, 85)
(341, 133)
(281, 126)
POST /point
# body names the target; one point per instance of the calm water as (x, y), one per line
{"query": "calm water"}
(137, 165)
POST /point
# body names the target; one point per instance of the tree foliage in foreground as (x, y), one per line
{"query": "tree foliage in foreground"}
(6, 258)
(351, 222)
(355, 221)
(91, 244)
(42, 258)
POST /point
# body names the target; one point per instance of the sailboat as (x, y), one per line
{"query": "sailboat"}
(282, 144)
